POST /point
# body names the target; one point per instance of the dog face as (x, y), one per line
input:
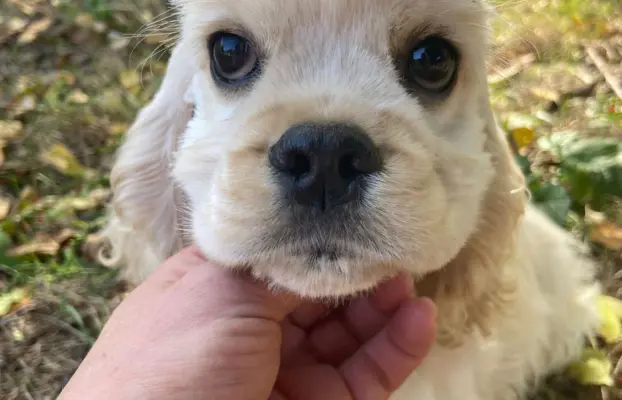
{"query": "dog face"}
(334, 143)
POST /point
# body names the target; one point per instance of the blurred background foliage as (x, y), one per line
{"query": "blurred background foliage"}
(73, 75)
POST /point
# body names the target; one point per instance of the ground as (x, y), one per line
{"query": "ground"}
(74, 73)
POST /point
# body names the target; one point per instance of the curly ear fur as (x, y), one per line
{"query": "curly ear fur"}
(474, 287)
(142, 225)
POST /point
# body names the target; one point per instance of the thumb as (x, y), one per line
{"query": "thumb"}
(241, 317)
(225, 292)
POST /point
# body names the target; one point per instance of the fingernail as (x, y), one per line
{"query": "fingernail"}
(414, 326)
(429, 304)
(425, 307)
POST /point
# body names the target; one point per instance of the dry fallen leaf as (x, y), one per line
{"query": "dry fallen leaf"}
(593, 217)
(24, 83)
(156, 38)
(16, 24)
(33, 30)
(64, 235)
(42, 244)
(610, 310)
(77, 96)
(61, 158)
(67, 77)
(608, 234)
(110, 99)
(26, 197)
(81, 203)
(118, 41)
(545, 93)
(93, 245)
(100, 27)
(2, 157)
(8, 300)
(100, 195)
(523, 136)
(5, 207)
(94, 199)
(85, 20)
(27, 7)
(118, 128)
(75, 204)
(23, 105)
(17, 334)
(593, 369)
(10, 130)
(130, 79)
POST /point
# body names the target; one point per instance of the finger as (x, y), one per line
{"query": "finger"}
(293, 346)
(170, 272)
(341, 334)
(367, 315)
(177, 266)
(312, 382)
(234, 293)
(276, 395)
(332, 342)
(382, 303)
(308, 314)
(383, 363)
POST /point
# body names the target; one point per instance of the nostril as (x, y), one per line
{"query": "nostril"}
(348, 167)
(323, 165)
(295, 163)
(298, 164)
(362, 161)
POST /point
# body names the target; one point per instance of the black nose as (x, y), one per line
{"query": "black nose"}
(324, 165)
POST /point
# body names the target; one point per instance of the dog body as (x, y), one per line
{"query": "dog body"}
(328, 145)
(541, 331)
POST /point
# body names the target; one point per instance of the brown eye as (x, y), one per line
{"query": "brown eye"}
(432, 65)
(234, 59)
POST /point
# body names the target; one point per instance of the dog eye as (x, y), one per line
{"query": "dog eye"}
(234, 59)
(432, 65)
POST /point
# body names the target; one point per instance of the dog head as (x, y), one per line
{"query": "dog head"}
(332, 144)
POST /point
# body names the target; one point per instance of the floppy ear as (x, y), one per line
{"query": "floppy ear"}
(142, 227)
(474, 287)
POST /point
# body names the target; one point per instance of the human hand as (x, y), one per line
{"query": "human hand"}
(194, 330)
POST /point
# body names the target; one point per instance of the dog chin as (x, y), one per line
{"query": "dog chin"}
(322, 278)
(321, 284)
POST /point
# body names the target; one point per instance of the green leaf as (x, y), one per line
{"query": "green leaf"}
(5, 244)
(523, 164)
(5, 241)
(591, 168)
(569, 145)
(552, 199)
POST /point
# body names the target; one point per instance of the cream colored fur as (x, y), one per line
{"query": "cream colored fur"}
(515, 297)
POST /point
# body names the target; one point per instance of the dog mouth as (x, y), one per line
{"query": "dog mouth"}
(329, 271)
(322, 257)
(319, 260)
(327, 241)
(323, 244)
(324, 253)
(312, 255)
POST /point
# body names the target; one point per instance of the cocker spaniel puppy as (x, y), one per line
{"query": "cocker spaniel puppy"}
(330, 144)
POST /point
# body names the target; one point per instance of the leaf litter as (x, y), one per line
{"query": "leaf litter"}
(66, 111)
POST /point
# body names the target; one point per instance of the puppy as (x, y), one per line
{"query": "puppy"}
(331, 144)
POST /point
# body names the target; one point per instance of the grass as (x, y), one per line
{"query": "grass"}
(75, 76)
